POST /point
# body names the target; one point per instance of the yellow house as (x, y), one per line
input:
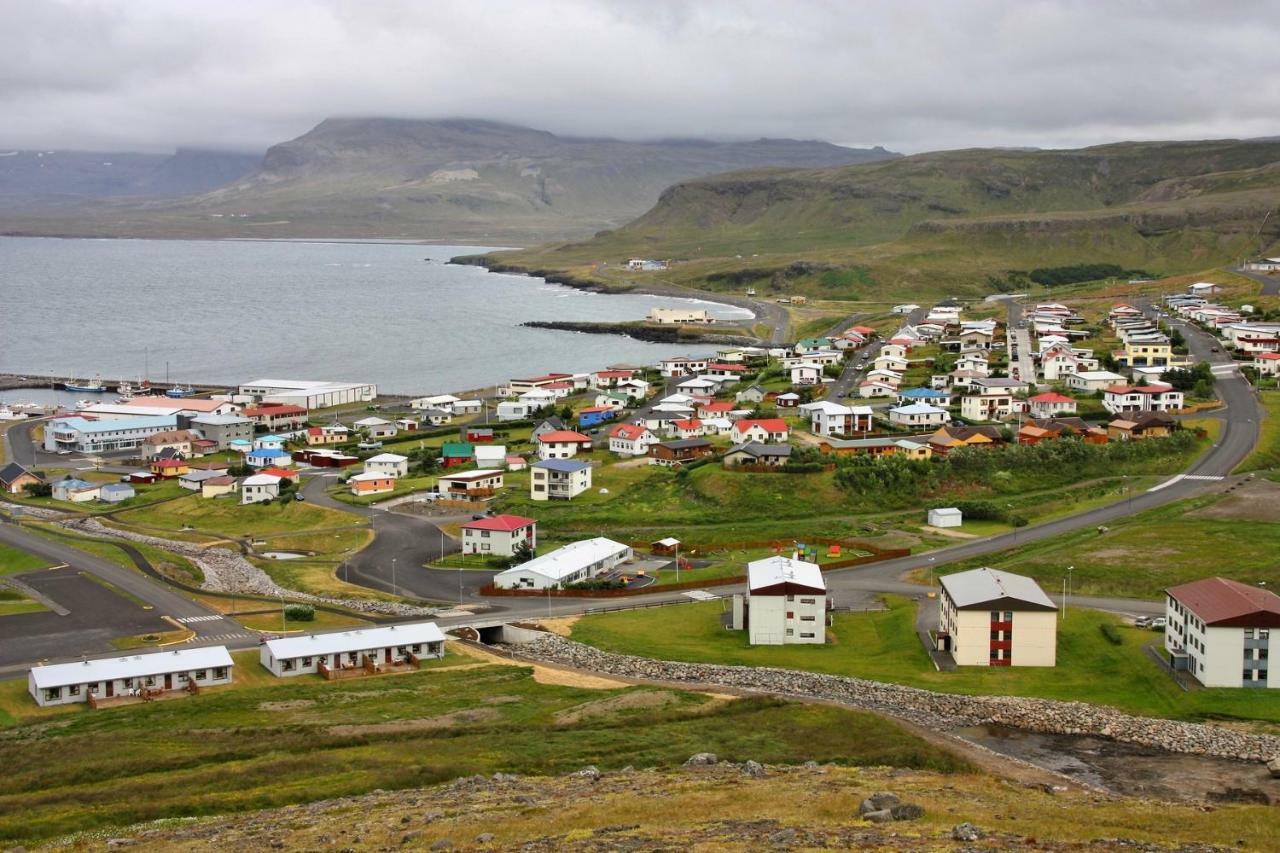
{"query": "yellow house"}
(987, 617)
(1149, 355)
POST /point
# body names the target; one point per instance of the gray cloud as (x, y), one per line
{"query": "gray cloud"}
(155, 74)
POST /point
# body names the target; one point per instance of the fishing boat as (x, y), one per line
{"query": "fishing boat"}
(125, 390)
(179, 391)
(89, 386)
(8, 414)
(83, 404)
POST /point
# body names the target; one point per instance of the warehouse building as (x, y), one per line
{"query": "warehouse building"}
(577, 561)
(308, 394)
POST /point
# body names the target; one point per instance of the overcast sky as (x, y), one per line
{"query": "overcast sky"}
(912, 76)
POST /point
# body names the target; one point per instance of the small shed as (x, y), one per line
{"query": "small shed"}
(945, 517)
(669, 545)
(113, 493)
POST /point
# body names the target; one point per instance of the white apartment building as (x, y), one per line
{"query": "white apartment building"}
(786, 602)
(1219, 630)
(558, 479)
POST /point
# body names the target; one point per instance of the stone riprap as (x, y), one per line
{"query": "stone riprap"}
(923, 707)
(227, 571)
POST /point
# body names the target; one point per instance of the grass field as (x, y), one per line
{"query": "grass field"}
(270, 622)
(1236, 535)
(883, 646)
(227, 519)
(13, 561)
(269, 744)
(1267, 454)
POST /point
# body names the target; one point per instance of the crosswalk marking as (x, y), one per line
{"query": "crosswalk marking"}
(190, 620)
(1204, 478)
(1212, 478)
(237, 636)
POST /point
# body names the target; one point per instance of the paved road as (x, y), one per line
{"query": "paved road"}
(1270, 283)
(855, 368)
(1018, 344)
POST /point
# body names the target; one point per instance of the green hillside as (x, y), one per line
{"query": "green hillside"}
(945, 221)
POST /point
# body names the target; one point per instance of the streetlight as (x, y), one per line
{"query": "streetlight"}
(394, 589)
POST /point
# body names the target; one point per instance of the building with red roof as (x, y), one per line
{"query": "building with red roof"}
(631, 440)
(562, 444)
(499, 535)
(1050, 405)
(1219, 631)
(762, 430)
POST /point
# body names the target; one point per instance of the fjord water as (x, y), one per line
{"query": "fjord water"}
(227, 312)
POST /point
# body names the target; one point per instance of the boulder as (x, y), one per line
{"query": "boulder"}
(589, 772)
(1273, 766)
(484, 838)
(753, 768)
(878, 802)
(701, 759)
(907, 811)
(879, 816)
(965, 832)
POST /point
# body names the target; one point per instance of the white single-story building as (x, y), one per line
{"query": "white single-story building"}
(918, 415)
(577, 561)
(103, 678)
(259, 488)
(947, 516)
(392, 464)
(393, 644)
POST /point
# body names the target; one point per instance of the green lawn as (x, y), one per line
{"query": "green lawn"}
(13, 561)
(1142, 555)
(883, 646)
(1267, 453)
(274, 742)
(227, 519)
(270, 622)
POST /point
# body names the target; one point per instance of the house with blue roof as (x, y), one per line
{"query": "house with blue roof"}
(75, 490)
(268, 457)
(931, 396)
(558, 479)
(106, 434)
(269, 442)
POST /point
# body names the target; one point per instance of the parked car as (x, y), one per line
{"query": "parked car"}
(1142, 622)
(1159, 623)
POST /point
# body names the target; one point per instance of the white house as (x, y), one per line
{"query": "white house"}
(562, 444)
(989, 405)
(631, 440)
(1093, 380)
(828, 418)
(762, 430)
(376, 427)
(444, 402)
(992, 618)
(498, 535)
(918, 415)
(103, 678)
(577, 561)
(391, 464)
(1141, 398)
(786, 602)
(538, 398)
(1050, 405)
(1267, 363)
(401, 643)
(490, 455)
(806, 374)
(512, 410)
(558, 479)
(871, 389)
(1219, 631)
(637, 389)
(259, 488)
(905, 308)
(465, 485)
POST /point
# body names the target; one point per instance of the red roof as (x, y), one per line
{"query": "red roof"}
(1223, 602)
(1050, 397)
(314, 431)
(508, 523)
(563, 436)
(691, 423)
(546, 378)
(274, 410)
(721, 406)
(169, 463)
(614, 374)
(863, 330)
(769, 425)
(628, 431)
(1268, 356)
(720, 365)
(279, 472)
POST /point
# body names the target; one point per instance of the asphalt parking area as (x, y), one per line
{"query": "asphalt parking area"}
(97, 616)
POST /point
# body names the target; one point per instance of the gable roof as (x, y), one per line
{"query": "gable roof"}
(567, 436)
(629, 432)
(564, 466)
(507, 523)
(11, 472)
(768, 424)
(986, 587)
(1224, 603)
(782, 574)
(755, 448)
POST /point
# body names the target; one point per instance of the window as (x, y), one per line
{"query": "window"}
(1248, 633)
(807, 618)
(201, 674)
(73, 690)
(220, 672)
(995, 615)
(807, 601)
(1264, 633)
(53, 693)
(484, 534)
(1248, 675)
(306, 662)
(791, 614)
(790, 632)
(808, 636)
(1261, 654)
(1008, 616)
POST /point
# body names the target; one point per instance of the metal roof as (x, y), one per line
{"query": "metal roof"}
(133, 666)
(1221, 600)
(981, 586)
(403, 634)
(572, 558)
(779, 570)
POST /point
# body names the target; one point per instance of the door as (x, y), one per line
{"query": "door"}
(388, 654)
(168, 681)
(111, 689)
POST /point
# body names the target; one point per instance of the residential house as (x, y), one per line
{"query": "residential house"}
(499, 535)
(130, 675)
(595, 415)
(785, 603)
(455, 453)
(715, 409)
(268, 457)
(890, 362)
(1141, 425)
(687, 428)
(699, 388)
(516, 387)
(760, 430)
(478, 435)
(370, 483)
(751, 394)
(918, 415)
(391, 464)
(328, 434)
(631, 440)
(950, 438)
(680, 451)
(510, 410)
(259, 488)
(220, 485)
(546, 425)
(75, 490)
(725, 371)
(276, 416)
(989, 617)
(269, 442)
(14, 478)
(441, 402)
(169, 468)
(1141, 398)
(828, 418)
(558, 479)
(375, 427)
(192, 480)
(434, 417)
(884, 446)
(1000, 383)
(1267, 363)
(1219, 631)
(575, 562)
(989, 405)
(469, 485)
(789, 400)
(932, 396)
(223, 429)
(806, 374)
(889, 377)
(1050, 405)
(872, 389)
(603, 379)
(491, 455)
(562, 444)
(1093, 380)
(178, 440)
(681, 366)
(757, 455)
(404, 643)
(636, 389)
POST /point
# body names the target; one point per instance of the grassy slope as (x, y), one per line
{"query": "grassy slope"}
(1267, 454)
(13, 561)
(882, 646)
(272, 742)
(226, 518)
(942, 222)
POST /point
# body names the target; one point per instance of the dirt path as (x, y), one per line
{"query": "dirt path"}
(542, 673)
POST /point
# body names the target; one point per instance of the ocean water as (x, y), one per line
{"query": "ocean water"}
(229, 312)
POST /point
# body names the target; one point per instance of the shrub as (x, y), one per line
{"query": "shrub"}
(597, 584)
(1113, 636)
(300, 612)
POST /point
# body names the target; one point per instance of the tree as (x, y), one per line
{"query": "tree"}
(522, 553)
(38, 490)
